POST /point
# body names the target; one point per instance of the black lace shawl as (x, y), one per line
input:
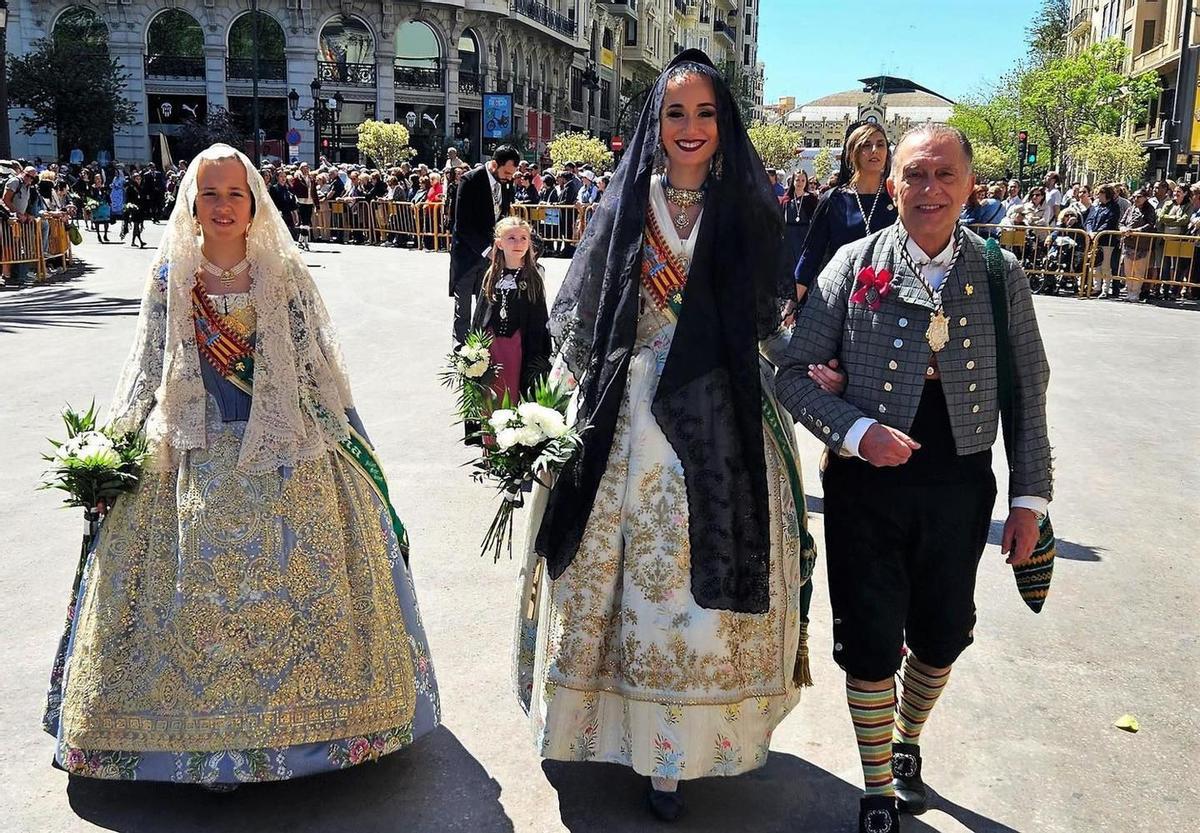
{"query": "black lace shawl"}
(709, 398)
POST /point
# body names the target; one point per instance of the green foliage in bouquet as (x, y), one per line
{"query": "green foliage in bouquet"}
(94, 463)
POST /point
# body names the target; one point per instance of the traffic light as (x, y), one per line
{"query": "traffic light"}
(1031, 155)
(1023, 143)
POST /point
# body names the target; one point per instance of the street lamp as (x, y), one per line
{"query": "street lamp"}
(591, 82)
(5, 149)
(321, 110)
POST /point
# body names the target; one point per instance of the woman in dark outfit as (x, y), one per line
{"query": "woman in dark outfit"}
(798, 213)
(857, 206)
(136, 198)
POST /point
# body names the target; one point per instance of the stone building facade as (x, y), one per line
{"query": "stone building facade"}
(428, 64)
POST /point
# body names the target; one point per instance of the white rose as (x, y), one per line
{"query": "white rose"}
(477, 369)
(501, 418)
(506, 438)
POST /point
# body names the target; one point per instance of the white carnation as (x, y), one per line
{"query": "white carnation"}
(97, 449)
(530, 435)
(500, 419)
(477, 369)
(506, 438)
(549, 421)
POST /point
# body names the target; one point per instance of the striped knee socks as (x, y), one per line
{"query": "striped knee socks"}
(874, 714)
(921, 689)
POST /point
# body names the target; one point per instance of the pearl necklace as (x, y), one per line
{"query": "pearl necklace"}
(226, 276)
(685, 198)
(867, 217)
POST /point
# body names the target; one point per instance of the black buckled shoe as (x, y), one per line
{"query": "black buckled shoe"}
(911, 794)
(878, 814)
(666, 806)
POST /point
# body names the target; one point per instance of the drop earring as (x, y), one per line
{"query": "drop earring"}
(660, 159)
(196, 228)
(718, 165)
(248, 225)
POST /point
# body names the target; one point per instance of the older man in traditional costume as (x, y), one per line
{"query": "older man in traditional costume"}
(909, 489)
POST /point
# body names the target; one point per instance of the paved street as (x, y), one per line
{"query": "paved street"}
(1022, 741)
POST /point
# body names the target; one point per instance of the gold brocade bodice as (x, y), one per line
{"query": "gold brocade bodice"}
(237, 311)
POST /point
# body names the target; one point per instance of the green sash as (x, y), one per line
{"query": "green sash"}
(665, 279)
(233, 358)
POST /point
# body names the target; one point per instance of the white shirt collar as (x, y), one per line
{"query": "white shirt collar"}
(941, 259)
(492, 181)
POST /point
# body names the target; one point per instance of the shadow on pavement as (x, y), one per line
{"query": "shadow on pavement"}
(788, 794)
(435, 785)
(59, 305)
(1069, 550)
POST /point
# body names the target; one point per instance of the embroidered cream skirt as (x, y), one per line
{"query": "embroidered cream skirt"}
(615, 661)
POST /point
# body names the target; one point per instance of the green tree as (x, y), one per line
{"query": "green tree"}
(822, 165)
(777, 144)
(993, 116)
(579, 147)
(175, 33)
(1111, 158)
(741, 86)
(77, 94)
(990, 162)
(1047, 32)
(385, 143)
(1069, 98)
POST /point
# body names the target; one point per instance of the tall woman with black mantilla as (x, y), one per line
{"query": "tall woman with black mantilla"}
(856, 207)
(662, 608)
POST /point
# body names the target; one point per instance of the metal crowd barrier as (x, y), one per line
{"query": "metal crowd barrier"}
(426, 225)
(1087, 264)
(559, 226)
(34, 243)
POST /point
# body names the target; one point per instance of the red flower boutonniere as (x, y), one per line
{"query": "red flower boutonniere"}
(873, 287)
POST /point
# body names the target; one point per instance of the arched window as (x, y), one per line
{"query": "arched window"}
(272, 60)
(82, 28)
(468, 52)
(346, 52)
(174, 46)
(418, 62)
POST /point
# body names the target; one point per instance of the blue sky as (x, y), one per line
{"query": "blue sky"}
(813, 48)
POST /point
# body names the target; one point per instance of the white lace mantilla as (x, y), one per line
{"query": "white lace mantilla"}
(301, 391)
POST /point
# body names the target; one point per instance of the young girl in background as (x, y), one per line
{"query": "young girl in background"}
(513, 310)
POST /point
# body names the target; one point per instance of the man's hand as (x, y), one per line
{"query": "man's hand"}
(829, 377)
(883, 446)
(1020, 535)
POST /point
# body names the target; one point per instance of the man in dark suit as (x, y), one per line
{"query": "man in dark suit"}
(484, 196)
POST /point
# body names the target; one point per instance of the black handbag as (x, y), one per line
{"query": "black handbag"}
(1033, 576)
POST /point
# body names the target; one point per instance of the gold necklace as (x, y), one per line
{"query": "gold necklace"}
(685, 198)
(226, 276)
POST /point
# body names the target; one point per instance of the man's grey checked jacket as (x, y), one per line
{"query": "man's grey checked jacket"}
(885, 355)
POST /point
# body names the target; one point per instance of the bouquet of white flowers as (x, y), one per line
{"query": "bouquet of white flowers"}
(470, 372)
(521, 444)
(93, 465)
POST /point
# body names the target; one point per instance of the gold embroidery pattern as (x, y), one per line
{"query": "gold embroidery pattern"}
(234, 611)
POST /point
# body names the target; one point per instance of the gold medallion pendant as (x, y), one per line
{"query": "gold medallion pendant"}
(938, 334)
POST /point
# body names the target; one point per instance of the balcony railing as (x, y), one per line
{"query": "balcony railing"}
(243, 69)
(720, 27)
(418, 78)
(352, 75)
(469, 83)
(1081, 17)
(543, 14)
(174, 66)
